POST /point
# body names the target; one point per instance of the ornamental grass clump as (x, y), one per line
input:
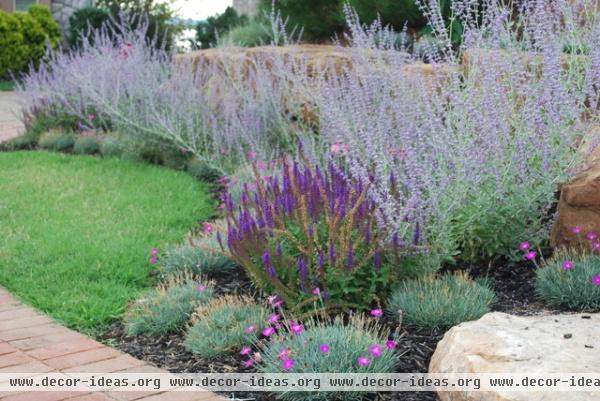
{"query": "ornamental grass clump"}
(312, 237)
(443, 302)
(572, 283)
(358, 346)
(57, 141)
(195, 260)
(86, 145)
(167, 308)
(222, 326)
(111, 147)
(570, 280)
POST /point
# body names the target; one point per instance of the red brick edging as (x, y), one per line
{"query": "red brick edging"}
(32, 342)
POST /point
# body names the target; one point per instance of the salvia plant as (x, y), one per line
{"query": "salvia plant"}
(221, 326)
(358, 346)
(440, 302)
(311, 236)
(167, 308)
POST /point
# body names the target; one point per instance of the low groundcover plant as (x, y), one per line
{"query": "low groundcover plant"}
(443, 302)
(195, 260)
(358, 346)
(168, 307)
(571, 278)
(221, 326)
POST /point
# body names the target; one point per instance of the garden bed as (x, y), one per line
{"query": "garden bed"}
(512, 282)
(357, 223)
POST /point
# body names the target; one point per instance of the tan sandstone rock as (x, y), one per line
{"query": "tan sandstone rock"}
(239, 63)
(501, 343)
(579, 204)
(475, 58)
(314, 57)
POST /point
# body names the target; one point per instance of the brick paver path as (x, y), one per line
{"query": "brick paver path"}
(10, 126)
(32, 342)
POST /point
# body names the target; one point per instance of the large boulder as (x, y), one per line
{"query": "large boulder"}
(312, 57)
(501, 343)
(579, 204)
(477, 58)
(305, 62)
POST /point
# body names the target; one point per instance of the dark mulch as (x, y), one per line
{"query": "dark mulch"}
(513, 283)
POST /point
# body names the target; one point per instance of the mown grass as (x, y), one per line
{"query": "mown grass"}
(76, 231)
(7, 86)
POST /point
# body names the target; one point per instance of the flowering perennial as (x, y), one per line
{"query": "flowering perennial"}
(311, 236)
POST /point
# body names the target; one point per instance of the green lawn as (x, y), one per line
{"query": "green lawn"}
(76, 231)
(7, 86)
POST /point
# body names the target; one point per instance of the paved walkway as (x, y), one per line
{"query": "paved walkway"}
(32, 342)
(10, 126)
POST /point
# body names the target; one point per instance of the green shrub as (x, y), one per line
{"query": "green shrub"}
(254, 33)
(419, 265)
(320, 19)
(34, 37)
(42, 121)
(85, 20)
(346, 344)
(574, 285)
(392, 12)
(23, 38)
(174, 158)
(208, 31)
(221, 325)
(159, 17)
(43, 16)
(443, 302)
(168, 307)
(490, 223)
(111, 147)
(57, 141)
(204, 171)
(86, 145)
(23, 142)
(157, 152)
(195, 260)
(14, 54)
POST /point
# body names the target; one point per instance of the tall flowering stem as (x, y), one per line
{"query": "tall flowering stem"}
(312, 228)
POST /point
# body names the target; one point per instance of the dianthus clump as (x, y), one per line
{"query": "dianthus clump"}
(320, 347)
(224, 325)
(570, 280)
(168, 307)
(441, 302)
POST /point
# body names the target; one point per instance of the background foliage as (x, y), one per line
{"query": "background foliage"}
(24, 37)
(207, 32)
